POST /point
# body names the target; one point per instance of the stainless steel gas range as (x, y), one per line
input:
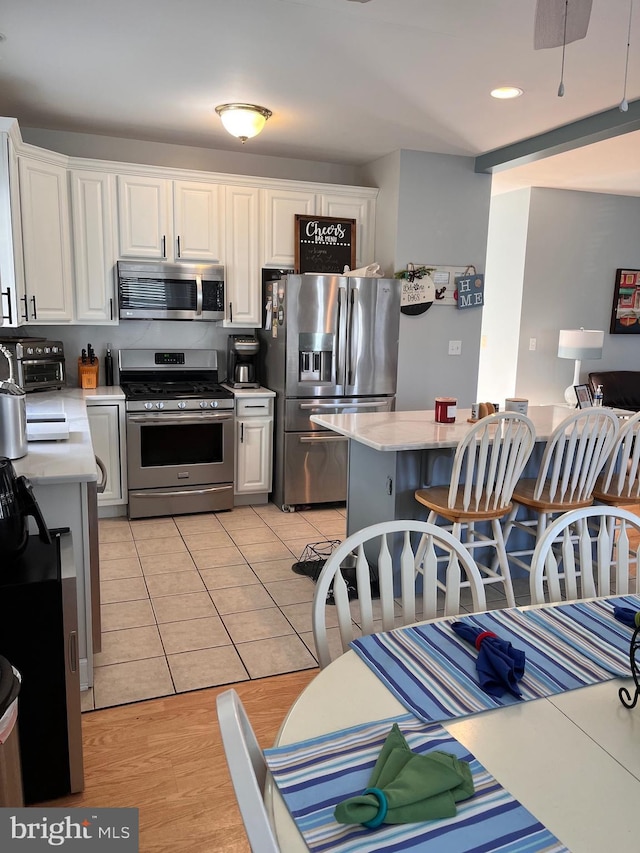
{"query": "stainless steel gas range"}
(180, 432)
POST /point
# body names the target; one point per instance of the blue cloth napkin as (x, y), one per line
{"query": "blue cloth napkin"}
(499, 665)
(627, 616)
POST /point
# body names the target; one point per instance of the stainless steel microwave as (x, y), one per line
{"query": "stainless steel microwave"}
(152, 290)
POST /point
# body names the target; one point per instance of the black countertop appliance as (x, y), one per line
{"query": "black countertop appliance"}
(17, 502)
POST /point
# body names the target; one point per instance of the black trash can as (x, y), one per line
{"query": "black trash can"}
(11, 793)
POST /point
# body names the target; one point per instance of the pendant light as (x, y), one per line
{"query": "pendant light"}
(624, 104)
(564, 47)
(243, 120)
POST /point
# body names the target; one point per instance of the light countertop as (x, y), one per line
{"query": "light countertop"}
(393, 431)
(69, 460)
(249, 392)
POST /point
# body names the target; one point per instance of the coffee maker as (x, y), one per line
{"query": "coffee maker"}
(242, 361)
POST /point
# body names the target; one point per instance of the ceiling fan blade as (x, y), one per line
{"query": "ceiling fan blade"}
(549, 27)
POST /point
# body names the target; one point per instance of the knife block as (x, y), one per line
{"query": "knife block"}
(88, 374)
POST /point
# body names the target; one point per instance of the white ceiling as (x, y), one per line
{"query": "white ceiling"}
(347, 81)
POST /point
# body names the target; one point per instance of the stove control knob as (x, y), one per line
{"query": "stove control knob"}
(182, 404)
(203, 404)
(214, 404)
(148, 405)
(160, 405)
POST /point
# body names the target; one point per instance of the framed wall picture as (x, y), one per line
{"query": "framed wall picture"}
(625, 313)
(583, 395)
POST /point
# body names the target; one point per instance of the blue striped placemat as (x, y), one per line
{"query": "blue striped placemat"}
(315, 775)
(577, 624)
(433, 672)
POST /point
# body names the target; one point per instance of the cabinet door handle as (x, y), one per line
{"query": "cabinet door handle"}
(164, 246)
(102, 485)
(231, 312)
(35, 310)
(178, 245)
(241, 433)
(25, 316)
(73, 651)
(8, 316)
(111, 307)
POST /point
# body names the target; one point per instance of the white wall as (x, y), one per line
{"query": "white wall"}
(504, 282)
(186, 157)
(443, 213)
(574, 243)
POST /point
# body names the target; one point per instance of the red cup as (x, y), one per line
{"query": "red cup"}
(446, 410)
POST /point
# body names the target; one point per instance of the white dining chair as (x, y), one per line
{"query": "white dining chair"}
(587, 552)
(574, 455)
(248, 771)
(487, 465)
(619, 483)
(386, 553)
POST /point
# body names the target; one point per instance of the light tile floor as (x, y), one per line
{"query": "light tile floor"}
(197, 601)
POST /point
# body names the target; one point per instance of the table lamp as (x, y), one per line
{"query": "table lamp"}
(578, 344)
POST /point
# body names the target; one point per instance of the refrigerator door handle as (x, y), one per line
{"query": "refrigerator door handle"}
(346, 405)
(321, 439)
(341, 358)
(350, 335)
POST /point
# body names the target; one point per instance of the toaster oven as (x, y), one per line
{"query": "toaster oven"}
(39, 364)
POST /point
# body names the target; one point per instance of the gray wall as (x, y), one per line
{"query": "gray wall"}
(186, 157)
(443, 213)
(575, 243)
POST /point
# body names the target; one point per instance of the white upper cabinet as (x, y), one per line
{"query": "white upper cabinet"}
(46, 242)
(170, 220)
(144, 224)
(198, 221)
(11, 260)
(279, 209)
(93, 222)
(357, 207)
(242, 263)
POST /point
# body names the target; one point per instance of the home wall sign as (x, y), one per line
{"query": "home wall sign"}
(324, 244)
(625, 313)
(470, 289)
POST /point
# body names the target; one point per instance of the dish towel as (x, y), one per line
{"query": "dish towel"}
(405, 787)
(627, 616)
(500, 666)
(370, 271)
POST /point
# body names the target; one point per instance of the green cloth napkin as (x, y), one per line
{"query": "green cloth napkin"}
(416, 787)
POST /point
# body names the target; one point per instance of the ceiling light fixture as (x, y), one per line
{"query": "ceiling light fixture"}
(243, 120)
(505, 92)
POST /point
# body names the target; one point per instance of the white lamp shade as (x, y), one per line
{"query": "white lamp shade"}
(243, 120)
(580, 343)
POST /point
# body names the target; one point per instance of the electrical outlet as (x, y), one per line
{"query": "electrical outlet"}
(455, 347)
(533, 343)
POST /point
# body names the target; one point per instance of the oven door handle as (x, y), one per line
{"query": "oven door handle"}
(172, 420)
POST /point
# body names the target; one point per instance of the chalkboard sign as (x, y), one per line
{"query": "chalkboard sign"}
(324, 244)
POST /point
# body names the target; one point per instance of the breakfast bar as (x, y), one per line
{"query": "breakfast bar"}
(391, 454)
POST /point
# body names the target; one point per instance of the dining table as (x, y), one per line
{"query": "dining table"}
(571, 758)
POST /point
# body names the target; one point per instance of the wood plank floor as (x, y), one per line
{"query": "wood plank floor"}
(165, 757)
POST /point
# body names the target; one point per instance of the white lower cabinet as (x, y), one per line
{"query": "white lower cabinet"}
(254, 448)
(106, 421)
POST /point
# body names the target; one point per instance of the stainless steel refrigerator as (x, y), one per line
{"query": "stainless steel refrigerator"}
(329, 345)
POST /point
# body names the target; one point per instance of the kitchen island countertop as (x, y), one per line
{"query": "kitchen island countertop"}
(392, 431)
